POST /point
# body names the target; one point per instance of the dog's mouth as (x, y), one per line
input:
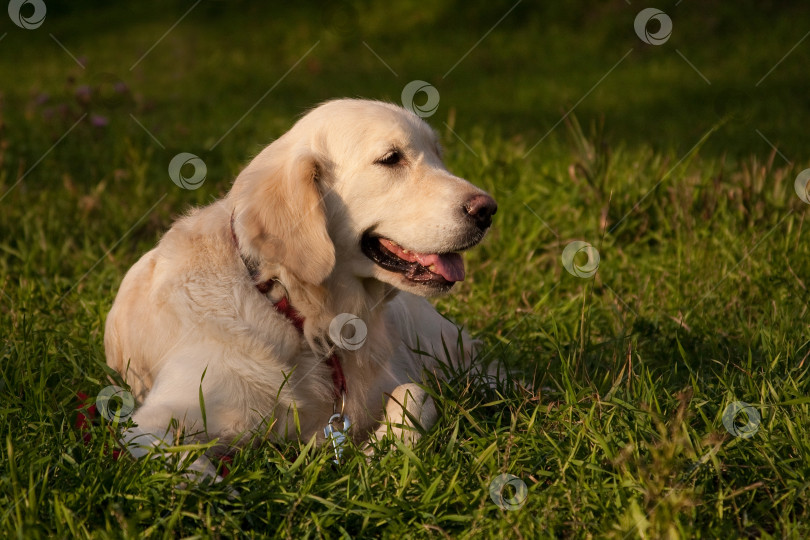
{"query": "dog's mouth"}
(435, 269)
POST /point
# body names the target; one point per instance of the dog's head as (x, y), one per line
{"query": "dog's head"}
(358, 188)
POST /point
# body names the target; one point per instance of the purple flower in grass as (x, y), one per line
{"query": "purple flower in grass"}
(99, 121)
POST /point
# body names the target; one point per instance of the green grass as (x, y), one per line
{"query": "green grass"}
(700, 298)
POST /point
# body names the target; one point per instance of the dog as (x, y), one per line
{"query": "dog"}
(295, 306)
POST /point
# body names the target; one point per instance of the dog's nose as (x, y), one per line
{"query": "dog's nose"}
(480, 208)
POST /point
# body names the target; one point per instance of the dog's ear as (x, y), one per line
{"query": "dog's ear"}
(279, 214)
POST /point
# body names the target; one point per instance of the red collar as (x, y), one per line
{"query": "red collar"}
(284, 307)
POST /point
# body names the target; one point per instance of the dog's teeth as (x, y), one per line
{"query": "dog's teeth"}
(406, 251)
(432, 268)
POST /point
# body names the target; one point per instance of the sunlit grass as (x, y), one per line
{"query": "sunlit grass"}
(700, 298)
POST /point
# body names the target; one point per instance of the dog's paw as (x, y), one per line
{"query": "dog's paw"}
(410, 411)
(200, 474)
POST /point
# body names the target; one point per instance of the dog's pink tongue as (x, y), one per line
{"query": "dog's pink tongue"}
(450, 265)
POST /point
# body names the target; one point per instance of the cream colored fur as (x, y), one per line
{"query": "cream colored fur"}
(189, 307)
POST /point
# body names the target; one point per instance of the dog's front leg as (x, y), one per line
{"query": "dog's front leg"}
(409, 412)
(154, 433)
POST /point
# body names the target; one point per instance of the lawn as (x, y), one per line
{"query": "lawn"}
(667, 391)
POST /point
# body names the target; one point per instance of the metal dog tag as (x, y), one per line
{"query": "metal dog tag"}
(337, 436)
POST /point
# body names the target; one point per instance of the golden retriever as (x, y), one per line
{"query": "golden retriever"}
(297, 301)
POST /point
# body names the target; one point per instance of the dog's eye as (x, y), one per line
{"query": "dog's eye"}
(391, 158)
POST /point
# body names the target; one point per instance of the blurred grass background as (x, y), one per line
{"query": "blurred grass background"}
(535, 65)
(676, 161)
